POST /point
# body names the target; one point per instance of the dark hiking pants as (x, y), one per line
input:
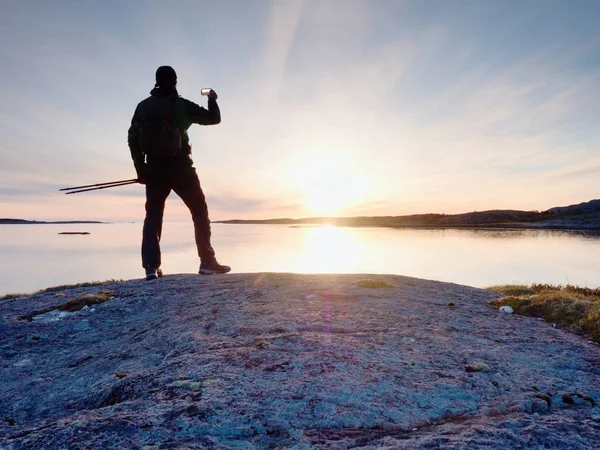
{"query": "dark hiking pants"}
(180, 177)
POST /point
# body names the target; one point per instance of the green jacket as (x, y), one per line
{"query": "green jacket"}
(187, 113)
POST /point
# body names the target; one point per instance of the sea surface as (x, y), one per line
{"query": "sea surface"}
(36, 256)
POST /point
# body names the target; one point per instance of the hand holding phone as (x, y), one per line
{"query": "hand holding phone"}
(209, 93)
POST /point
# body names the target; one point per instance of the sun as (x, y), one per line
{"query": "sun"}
(329, 186)
(329, 193)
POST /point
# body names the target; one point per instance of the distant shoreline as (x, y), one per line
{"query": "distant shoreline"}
(583, 216)
(490, 226)
(43, 222)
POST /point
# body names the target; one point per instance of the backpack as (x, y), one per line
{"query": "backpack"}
(160, 135)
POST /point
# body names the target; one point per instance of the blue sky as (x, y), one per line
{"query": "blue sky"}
(374, 107)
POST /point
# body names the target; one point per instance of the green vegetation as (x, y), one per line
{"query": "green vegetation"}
(512, 289)
(373, 284)
(86, 300)
(58, 288)
(574, 307)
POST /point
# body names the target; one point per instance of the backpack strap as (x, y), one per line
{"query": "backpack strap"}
(179, 113)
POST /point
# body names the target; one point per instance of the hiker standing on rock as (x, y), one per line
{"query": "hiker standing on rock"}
(161, 154)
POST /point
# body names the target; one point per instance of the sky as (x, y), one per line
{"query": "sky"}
(329, 107)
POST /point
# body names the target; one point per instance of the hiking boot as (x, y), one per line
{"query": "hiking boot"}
(212, 267)
(153, 274)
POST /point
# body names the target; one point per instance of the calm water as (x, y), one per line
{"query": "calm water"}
(36, 256)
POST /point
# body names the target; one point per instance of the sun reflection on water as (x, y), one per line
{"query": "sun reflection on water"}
(474, 257)
(329, 249)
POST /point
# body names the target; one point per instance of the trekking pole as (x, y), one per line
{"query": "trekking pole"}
(102, 187)
(116, 183)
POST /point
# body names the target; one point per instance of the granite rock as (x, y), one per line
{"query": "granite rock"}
(289, 361)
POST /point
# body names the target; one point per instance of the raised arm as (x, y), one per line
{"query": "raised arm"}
(202, 116)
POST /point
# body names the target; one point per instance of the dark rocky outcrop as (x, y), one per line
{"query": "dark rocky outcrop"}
(289, 361)
(591, 207)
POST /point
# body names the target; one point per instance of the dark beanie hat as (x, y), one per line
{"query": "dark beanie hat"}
(166, 77)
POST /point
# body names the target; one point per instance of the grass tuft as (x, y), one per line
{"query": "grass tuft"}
(570, 306)
(78, 285)
(511, 289)
(11, 296)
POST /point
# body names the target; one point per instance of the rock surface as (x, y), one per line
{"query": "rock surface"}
(289, 361)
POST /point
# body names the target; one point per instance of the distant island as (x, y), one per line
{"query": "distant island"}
(584, 216)
(5, 221)
(74, 232)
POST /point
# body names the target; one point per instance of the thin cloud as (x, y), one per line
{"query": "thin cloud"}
(283, 23)
(591, 168)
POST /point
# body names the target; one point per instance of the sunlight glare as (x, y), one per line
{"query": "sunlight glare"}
(330, 249)
(329, 185)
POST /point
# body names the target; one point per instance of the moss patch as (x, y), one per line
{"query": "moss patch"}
(571, 306)
(373, 284)
(86, 300)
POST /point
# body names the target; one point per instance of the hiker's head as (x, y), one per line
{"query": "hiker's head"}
(166, 77)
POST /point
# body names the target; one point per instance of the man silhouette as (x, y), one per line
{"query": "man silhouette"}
(161, 154)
